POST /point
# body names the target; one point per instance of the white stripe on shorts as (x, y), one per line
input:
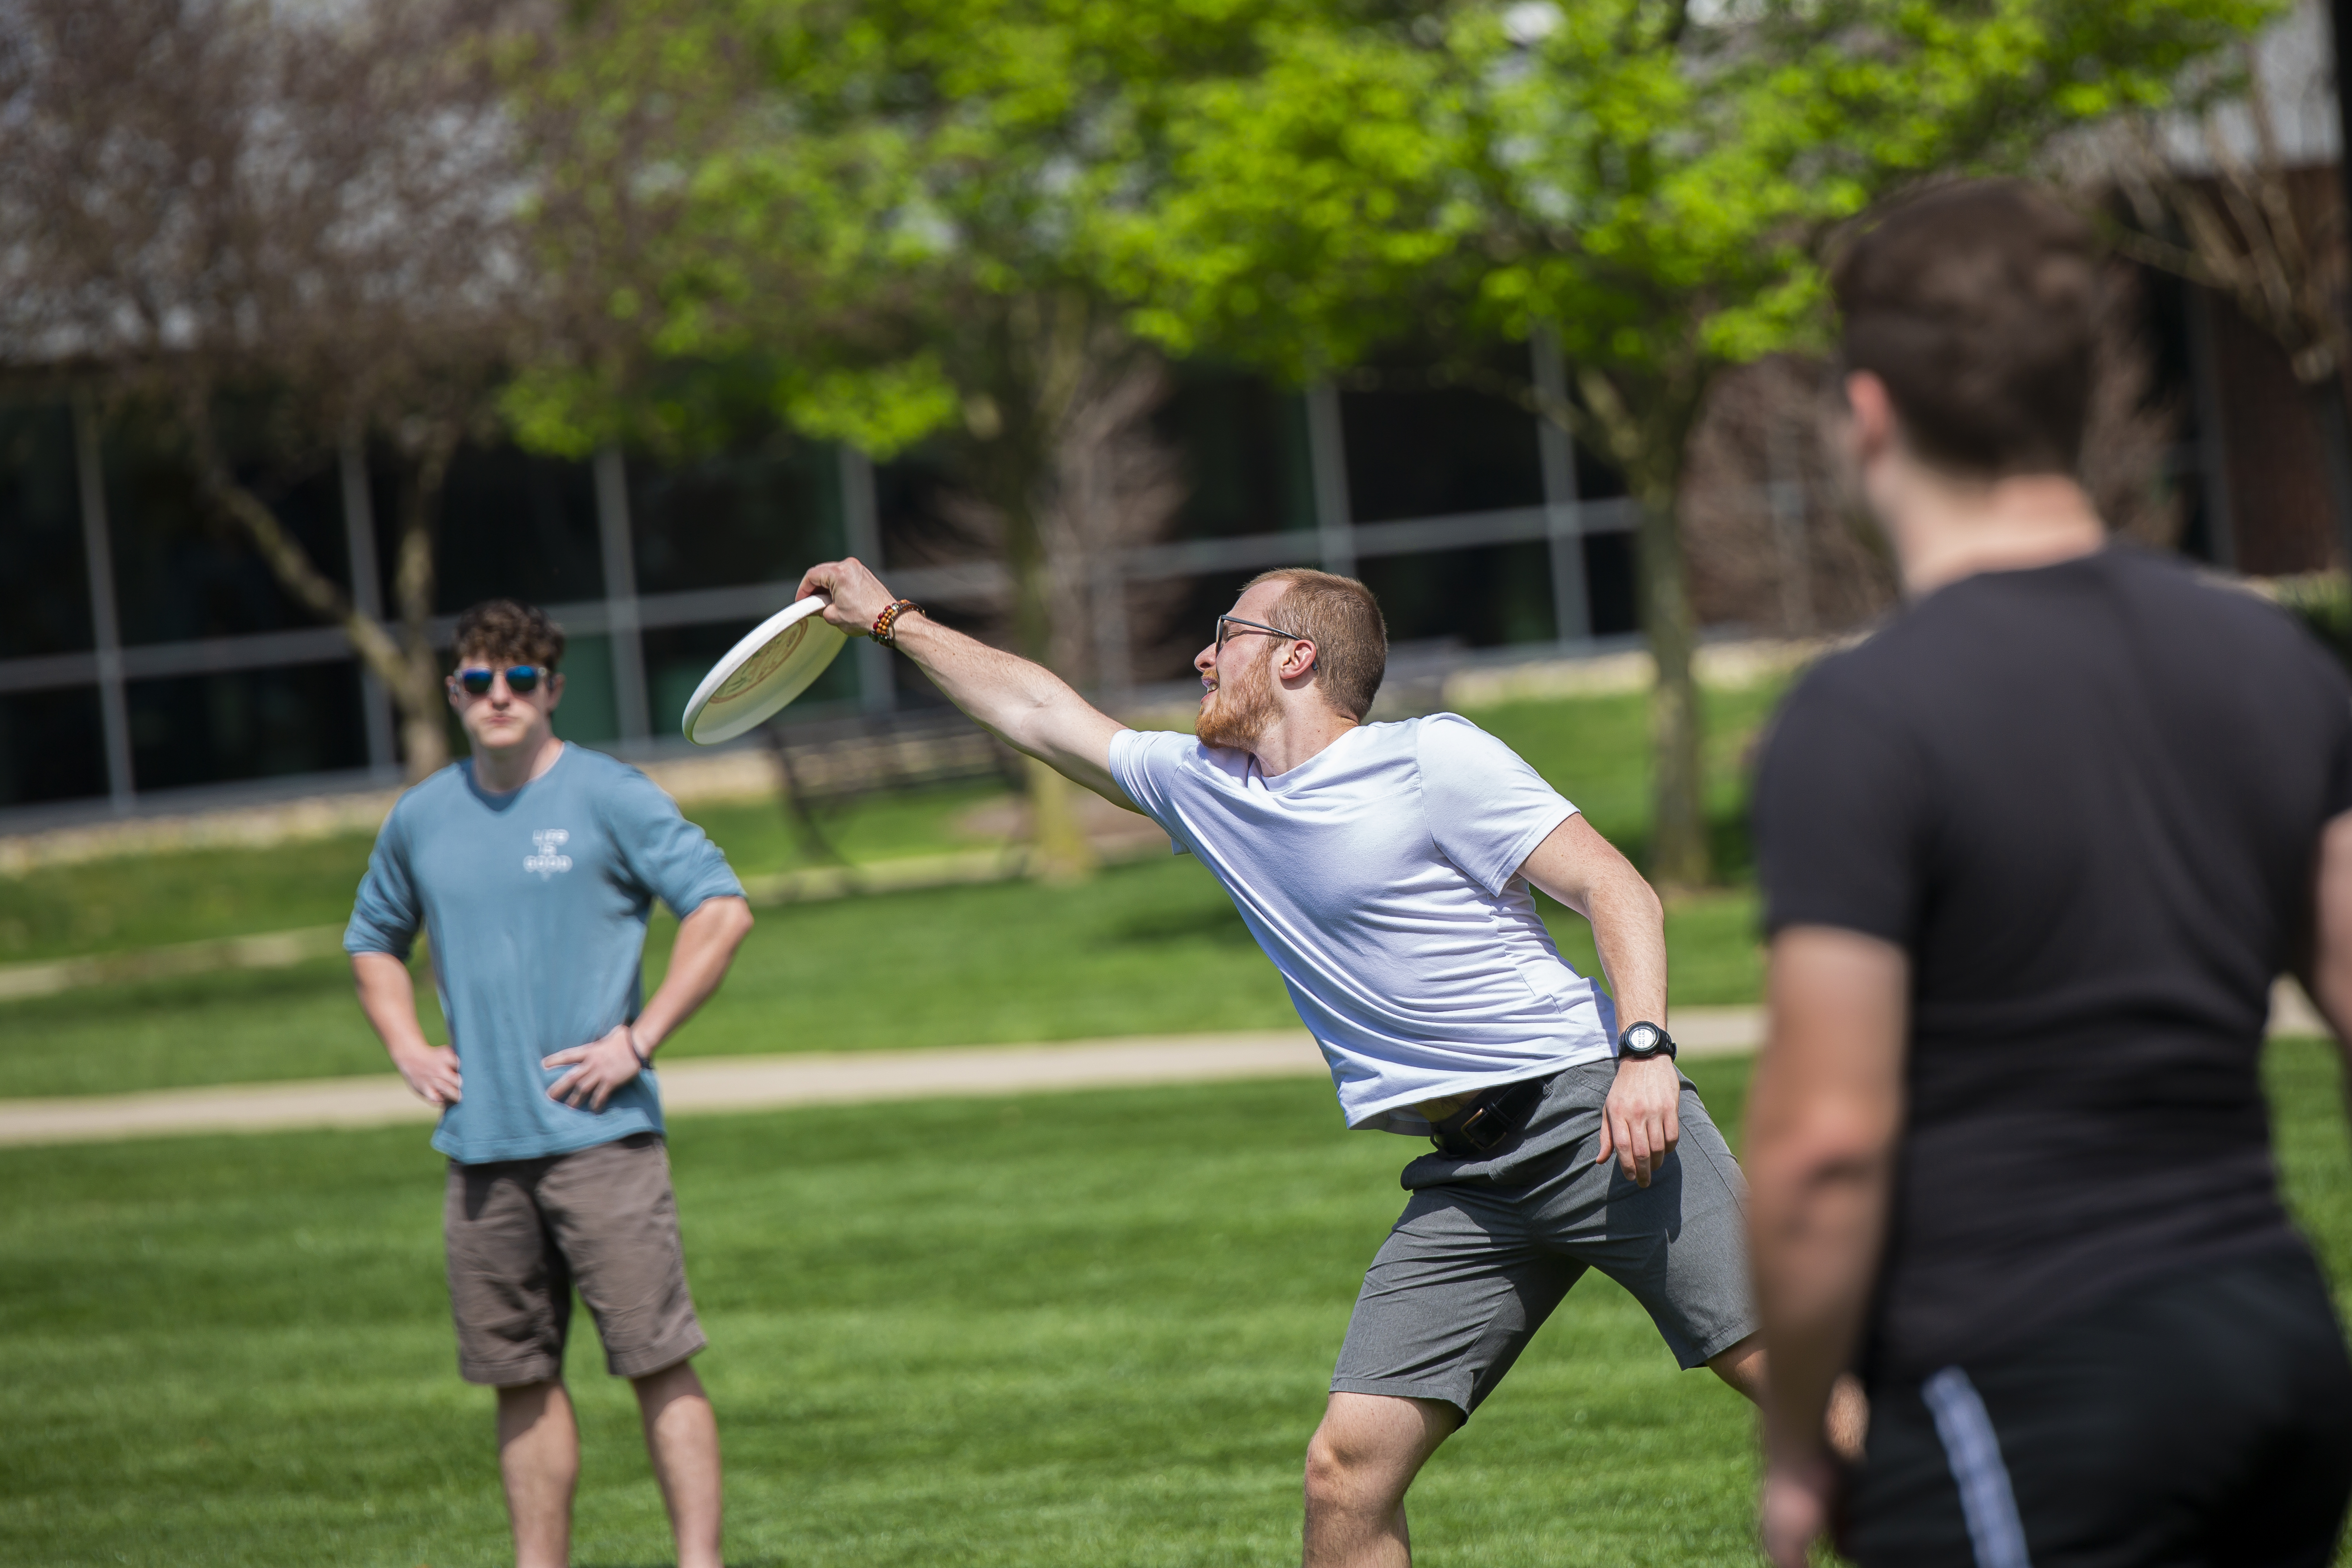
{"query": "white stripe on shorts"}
(1974, 1450)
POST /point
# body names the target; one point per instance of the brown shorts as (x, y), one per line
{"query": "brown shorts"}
(522, 1233)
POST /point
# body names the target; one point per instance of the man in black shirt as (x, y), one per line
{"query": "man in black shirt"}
(2032, 855)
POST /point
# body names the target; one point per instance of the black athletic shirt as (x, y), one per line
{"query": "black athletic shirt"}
(2086, 800)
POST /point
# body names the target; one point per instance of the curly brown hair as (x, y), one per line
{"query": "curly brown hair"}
(502, 631)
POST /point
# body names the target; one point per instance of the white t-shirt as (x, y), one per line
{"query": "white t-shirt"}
(1381, 877)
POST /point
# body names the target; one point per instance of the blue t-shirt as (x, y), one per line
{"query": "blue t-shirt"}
(535, 902)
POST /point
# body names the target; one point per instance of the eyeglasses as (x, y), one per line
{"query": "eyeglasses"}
(521, 679)
(1224, 621)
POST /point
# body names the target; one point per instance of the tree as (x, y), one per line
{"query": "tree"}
(1652, 183)
(1775, 539)
(877, 222)
(2213, 200)
(299, 214)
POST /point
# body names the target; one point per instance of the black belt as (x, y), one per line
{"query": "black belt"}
(1482, 1126)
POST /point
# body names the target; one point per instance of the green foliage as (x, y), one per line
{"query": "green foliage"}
(1650, 187)
(851, 192)
(1047, 1330)
(858, 204)
(1647, 184)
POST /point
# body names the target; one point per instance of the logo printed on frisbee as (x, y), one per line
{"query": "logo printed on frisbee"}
(763, 665)
(780, 659)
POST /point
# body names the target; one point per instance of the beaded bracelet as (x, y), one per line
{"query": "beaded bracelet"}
(885, 623)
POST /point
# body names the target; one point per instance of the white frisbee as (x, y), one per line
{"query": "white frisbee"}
(775, 663)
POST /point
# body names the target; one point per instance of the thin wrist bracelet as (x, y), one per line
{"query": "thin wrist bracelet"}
(885, 624)
(644, 1061)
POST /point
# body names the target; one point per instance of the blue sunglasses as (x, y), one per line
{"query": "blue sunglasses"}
(521, 679)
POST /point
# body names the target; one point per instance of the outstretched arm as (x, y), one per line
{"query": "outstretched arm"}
(1641, 1121)
(1034, 709)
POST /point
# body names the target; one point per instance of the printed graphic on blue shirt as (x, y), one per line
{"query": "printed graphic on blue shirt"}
(547, 856)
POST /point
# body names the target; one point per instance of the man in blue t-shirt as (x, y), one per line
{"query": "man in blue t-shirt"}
(531, 866)
(1385, 869)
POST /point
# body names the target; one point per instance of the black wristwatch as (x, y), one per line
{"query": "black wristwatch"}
(1639, 1042)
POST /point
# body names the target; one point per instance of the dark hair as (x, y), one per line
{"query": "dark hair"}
(503, 631)
(1341, 618)
(1975, 303)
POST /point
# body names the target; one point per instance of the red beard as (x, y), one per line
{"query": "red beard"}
(1240, 711)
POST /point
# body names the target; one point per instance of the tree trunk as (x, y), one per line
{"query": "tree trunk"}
(415, 685)
(1647, 446)
(1679, 844)
(424, 707)
(1059, 842)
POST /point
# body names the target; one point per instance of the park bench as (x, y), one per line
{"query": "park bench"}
(824, 766)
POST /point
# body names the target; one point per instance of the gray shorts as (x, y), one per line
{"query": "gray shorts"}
(522, 1232)
(1485, 1250)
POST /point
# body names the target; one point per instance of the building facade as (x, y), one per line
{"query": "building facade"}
(148, 659)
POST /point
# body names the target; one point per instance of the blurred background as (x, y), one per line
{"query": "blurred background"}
(322, 319)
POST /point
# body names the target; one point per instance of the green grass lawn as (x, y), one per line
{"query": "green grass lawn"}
(110, 906)
(1149, 947)
(1083, 1330)
(1144, 949)
(1591, 748)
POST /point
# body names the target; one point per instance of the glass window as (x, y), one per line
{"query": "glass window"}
(44, 585)
(764, 513)
(1482, 597)
(1243, 445)
(245, 724)
(1596, 479)
(52, 746)
(589, 712)
(1436, 453)
(513, 526)
(915, 506)
(182, 570)
(1608, 584)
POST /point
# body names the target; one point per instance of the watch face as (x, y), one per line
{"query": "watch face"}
(1640, 1040)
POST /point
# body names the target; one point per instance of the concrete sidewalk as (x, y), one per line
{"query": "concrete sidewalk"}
(697, 1084)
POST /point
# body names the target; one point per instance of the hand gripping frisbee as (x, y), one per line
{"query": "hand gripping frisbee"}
(767, 670)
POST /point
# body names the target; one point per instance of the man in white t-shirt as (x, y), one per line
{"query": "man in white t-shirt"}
(1386, 870)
